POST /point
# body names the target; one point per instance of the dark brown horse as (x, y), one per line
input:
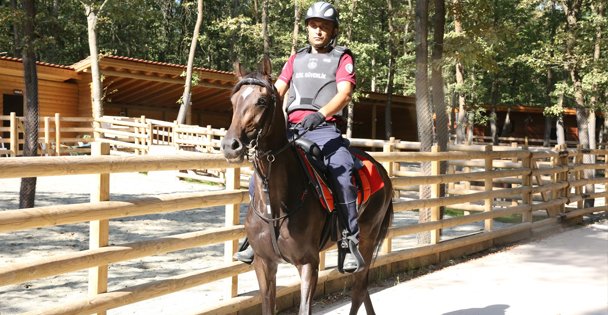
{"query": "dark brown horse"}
(285, 221)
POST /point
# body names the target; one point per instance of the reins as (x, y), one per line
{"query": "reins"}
(270, 155)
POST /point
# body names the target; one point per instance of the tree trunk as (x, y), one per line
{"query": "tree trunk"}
(548, 120)
(184, 107)
(388, 122)
(506, 127)
(493, 116)
(572, 11)
(296, 27)
(27, 192)
(424, 115)
(441, 123)
(559, 123)
(265, 35)
(256, 10)
(441, 116)
(92, 12)
(547, 134)
(461, 119)
(16, 51)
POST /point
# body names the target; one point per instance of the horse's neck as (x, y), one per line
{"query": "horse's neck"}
(282, 173)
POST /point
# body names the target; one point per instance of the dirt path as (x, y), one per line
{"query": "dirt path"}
(564, 274)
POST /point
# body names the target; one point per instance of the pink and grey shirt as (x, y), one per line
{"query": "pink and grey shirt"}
(313, 79)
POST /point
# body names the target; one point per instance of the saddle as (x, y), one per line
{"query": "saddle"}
(366, 178)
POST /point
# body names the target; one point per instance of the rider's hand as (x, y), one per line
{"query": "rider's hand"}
(312, 121)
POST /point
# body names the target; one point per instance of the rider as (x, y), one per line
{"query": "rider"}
(321, 79)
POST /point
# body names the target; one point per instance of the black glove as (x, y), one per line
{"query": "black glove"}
(312, 121)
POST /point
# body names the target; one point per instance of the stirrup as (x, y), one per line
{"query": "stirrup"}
(350, 259)
(246, 255)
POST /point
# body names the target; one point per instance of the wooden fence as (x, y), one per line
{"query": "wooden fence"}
(535, 189)
(57, 135)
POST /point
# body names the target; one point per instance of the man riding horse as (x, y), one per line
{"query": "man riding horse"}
(321, 79)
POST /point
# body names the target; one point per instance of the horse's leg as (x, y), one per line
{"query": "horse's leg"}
(266, 272)
(359, 292)
(309, 275)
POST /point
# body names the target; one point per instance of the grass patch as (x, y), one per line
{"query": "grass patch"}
(453, 212)
(202, 182)
(514, 218)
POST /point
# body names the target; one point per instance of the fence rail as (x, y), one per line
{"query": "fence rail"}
(540, 188)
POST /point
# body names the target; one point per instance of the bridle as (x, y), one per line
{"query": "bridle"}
(270, 156)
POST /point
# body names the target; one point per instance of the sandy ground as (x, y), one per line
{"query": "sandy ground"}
(24, 246)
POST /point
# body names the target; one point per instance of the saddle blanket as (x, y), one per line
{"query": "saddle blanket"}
(367, 179)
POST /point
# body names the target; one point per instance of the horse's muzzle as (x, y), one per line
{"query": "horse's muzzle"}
(233, 149)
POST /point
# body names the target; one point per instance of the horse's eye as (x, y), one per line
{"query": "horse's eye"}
(262, 102)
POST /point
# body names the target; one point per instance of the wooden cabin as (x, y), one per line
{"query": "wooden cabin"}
(136, 87)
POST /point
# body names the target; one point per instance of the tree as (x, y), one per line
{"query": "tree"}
(388, 120)
(424, 115)
(92, 11)
(439, 106)
(265, 35)
(459, 68)
(572, 10)
(183, 109)
(27, 192)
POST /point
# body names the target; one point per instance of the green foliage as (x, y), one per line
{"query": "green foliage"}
(508, 47)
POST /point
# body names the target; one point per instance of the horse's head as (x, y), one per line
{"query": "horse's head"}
(254, 100)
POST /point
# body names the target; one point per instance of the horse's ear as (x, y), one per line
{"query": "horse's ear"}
(265, 66)
(239, 70)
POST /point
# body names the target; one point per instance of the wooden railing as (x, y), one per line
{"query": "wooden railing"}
(57, 135)
(540, 189)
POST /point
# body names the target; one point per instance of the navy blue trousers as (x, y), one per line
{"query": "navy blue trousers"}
(339, 164)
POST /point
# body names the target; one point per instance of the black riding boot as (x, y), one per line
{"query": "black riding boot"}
(351, 258)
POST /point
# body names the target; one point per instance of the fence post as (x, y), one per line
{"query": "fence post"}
(57, 134)
(488, 202)
(563, 161)
(144, 135)
(578, 176)
(174, 133)
(435, 189)
(99, 229)
(47, 136)
(389, 146)
(233, 182)
(606, 178)
(526, 197)
(150, 133)
(14, 135)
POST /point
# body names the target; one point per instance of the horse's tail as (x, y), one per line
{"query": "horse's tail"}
(386, 224)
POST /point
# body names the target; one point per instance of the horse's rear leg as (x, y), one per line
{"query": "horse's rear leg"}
(309, 275)
(266, 272)
(359, 293)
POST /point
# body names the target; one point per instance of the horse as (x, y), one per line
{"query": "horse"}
(285, 218)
